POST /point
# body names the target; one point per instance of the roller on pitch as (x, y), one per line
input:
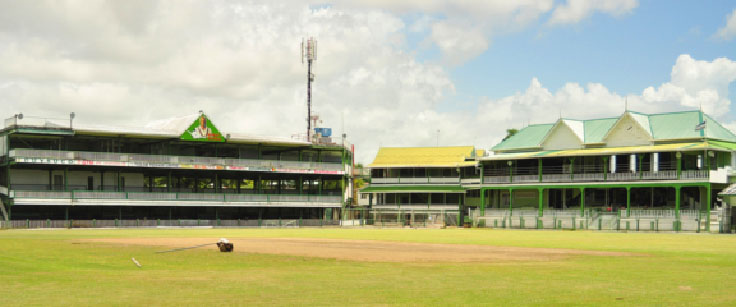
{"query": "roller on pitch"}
(223, 244)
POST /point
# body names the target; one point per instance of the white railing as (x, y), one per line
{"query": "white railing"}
(470, 181)
(622, 176)
(414, 180)
(41, 194)
(694, 174)
(588, 177)
(446, 180)
(660, 175)
(496, 179)
(417, 180)
(164, 196)
(556, 178)
(526, 178)
(157, 160)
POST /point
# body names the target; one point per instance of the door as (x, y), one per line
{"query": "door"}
(58, 182)
(90, 183)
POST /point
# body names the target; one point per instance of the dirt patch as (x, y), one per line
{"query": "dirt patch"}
(376, 251)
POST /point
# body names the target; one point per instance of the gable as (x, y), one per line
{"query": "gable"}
(562, 137)
(627, 132)
(202, 130)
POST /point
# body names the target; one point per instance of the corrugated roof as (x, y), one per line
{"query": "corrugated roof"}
(423, 157)
(663, 127)
(595, 129)
(528, 137)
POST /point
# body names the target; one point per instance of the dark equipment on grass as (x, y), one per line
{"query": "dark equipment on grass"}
(223, 244)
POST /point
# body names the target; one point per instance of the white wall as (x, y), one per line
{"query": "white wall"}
(562, 137)
(627, 133)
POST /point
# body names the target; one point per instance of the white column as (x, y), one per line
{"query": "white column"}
(733, 159)
(655, 162)
(613, 164)
(632, 163)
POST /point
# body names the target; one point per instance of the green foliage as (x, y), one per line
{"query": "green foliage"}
(510, 133)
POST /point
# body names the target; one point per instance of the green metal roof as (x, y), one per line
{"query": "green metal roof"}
(595, 129)
(663, 127)
(528, 137)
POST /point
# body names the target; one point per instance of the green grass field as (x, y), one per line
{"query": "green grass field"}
(47, 267)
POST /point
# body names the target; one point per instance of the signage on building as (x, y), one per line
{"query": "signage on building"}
(202, 130)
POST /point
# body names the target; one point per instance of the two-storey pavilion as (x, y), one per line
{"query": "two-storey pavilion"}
(421, 183)
(642, 168)
(182, 168)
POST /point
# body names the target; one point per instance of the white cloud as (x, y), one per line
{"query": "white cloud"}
(576, 10)
(239, 61)
(728, 31)
(693, 83)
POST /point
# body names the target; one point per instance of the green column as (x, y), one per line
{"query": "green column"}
(511, 171)
(300, 184)
(640, 160)
(460, 211)
(677, 206)
(628, 201)
(539, 167)
(482, 202)
(605, 168)
(572, 169)
(319, 187)
(511, 201)
(582, 202)
(707, 212)
(481, 174)
(118, 182)
(679, 164)
(170, 182)
(541, 201)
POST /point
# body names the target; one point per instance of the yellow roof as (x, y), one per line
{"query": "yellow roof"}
(606, 151)
(423, 157)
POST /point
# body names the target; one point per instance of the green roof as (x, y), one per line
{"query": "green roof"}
(596, 129)
(662, 127)
(528, 137)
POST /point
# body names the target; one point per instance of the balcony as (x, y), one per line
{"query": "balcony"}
(111, 198)
(601, 177)
(32, 156)
(417, 180)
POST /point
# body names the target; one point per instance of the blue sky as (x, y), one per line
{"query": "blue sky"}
(625, 53)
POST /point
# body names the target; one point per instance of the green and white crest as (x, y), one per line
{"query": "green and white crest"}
(202, 130)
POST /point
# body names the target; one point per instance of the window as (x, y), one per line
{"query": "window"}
(58, 182)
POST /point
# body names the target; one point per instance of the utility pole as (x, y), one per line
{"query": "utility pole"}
(309, 52)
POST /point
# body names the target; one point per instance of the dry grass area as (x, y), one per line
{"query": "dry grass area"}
(371, 250)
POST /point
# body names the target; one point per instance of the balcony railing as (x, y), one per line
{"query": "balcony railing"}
(417, 180)
(143, 196)
(138, 160)
(588, 177)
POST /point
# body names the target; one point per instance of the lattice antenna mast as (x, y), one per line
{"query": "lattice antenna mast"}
(309, 53)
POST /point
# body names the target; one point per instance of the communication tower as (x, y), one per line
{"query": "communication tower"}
(309, 53)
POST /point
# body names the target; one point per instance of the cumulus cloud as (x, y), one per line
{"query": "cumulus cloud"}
(576, 10)
(728, 31)
(693, 84)
(128, 63)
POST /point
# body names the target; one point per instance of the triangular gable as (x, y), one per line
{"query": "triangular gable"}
(565, 134)
(628, 131)
(202, 130)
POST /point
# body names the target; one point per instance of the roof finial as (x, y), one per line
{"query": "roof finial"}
(626, 104)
